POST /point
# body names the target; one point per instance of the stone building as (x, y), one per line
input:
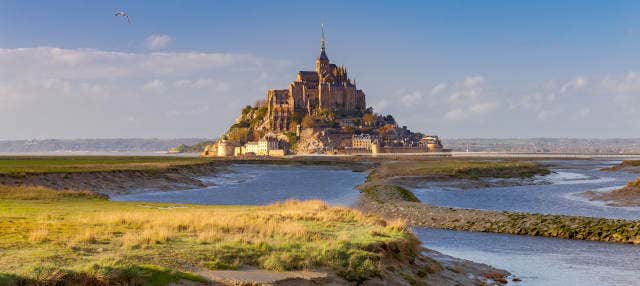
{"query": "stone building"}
(262, 147)
(363, 141)
(225, 148)
(328, 87)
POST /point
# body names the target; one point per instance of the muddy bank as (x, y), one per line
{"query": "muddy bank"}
(354, 163)
(181, 177)
(122, 181)
(632, 166)
(447, 182)
(396, 202)
(629, 196)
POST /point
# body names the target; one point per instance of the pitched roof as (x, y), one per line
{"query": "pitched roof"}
(308, 75)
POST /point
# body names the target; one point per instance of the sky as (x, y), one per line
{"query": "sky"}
(500, 69)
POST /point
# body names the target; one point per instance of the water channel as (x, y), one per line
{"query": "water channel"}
(538, 261)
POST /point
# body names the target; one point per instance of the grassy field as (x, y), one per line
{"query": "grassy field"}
(460, 169)
(81, 238)
(23, 165)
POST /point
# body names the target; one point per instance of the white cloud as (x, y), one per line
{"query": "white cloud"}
(202, 83)
(158, 41)
(629, 83)
(472, 81)
(411, 97)
(438, 88)
(475, 106)
(484, 107)
(456, 114)
(69, 93)
(575, 84)
(154, 86)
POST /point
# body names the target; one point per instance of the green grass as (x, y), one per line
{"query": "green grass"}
(387, 193)
(77, 237)
(23, 165)
(457, 169)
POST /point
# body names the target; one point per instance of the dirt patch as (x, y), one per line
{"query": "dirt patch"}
(266, 277)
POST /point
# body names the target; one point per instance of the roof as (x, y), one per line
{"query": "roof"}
(323, 56)
(308, 75)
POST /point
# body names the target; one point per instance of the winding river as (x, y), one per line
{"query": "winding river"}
(538, 261)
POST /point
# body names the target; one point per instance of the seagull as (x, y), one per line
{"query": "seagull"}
(123, 15)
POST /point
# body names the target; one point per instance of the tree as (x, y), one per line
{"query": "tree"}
(325, 116)
(368, 119)
(308, 122)
(246, 110)
(389, 119)
(238, 134)
(386, 131)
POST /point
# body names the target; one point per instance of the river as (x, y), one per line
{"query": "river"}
(557, 193)
(247, 184)
(538, 261)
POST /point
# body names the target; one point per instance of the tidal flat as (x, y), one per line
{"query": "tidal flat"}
(78, 237)
(137, 251)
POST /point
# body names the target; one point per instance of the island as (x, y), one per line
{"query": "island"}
(322, 112)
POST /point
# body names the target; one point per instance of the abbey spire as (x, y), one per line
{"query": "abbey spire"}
(323, 54)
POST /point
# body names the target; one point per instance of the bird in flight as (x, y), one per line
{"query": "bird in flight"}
(123, 15)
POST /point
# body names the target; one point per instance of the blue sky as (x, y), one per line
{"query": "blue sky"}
(455, 68)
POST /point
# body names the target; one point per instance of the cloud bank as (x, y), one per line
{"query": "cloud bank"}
(79, 93)
(48, 92)
(595, 107)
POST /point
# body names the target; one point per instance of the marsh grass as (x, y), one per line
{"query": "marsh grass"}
(457, 169)
(42, 193)
(39, 234)
(74, 231)
(635, 184)
(24, 165)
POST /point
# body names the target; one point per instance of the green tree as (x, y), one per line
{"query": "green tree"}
(238, 134)
(368, 119)
(246, 110)
(325, 116)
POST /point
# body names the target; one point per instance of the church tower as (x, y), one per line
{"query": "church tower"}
(322, 63)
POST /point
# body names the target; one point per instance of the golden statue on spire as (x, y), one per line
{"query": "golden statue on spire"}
(322, 39)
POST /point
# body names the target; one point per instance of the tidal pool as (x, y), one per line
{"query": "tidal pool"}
(247, 184)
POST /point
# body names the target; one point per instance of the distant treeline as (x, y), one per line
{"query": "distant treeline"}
(195, 148)
(546, 145)
(95, 145)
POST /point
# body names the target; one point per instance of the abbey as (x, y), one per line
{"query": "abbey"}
(326, 88)
(322, 112)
